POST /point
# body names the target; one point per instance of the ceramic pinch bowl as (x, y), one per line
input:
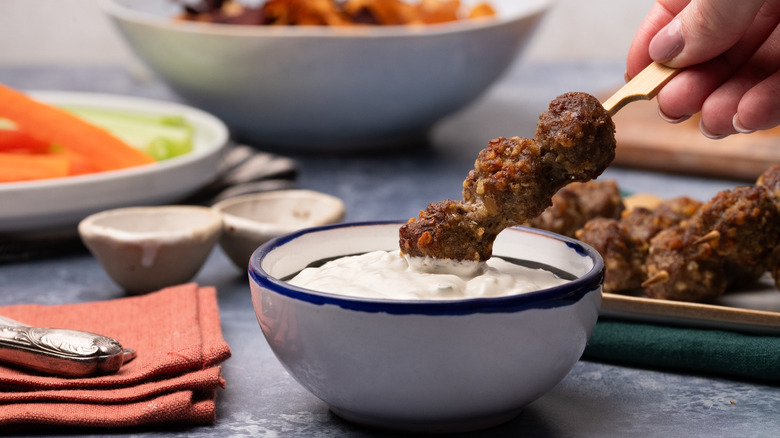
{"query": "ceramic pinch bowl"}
(430, 366)
(251, 220)
(147, 248)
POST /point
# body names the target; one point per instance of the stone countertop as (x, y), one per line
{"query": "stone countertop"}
(261, 399)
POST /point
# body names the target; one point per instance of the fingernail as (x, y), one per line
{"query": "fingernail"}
(668, 42)
(708, 134)
(670, 119)
(738, 126)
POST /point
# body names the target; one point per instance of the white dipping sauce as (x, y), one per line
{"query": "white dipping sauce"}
(386, 274)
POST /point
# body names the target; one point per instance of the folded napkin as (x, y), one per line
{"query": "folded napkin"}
(718, 352)
(177, 335)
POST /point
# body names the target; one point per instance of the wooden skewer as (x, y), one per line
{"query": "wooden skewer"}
(709, 237)
(659, 277)
(644, 86)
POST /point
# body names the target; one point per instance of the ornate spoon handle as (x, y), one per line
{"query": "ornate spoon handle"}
(71, 353)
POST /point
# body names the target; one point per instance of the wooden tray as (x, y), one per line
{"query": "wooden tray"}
(645, 141)
(755, 310)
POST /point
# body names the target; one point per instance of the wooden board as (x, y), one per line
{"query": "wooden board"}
(645, 141)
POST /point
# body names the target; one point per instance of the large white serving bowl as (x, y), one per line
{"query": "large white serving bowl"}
(324, 88)
(425, 366)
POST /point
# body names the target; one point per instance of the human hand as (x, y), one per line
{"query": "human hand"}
(732, 53)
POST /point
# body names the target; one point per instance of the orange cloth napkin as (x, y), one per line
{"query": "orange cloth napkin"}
(177, 335)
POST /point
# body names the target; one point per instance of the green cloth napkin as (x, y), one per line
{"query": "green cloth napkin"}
(718, 352)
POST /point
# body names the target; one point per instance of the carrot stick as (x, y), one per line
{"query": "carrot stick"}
(56, 126)
(79, 164)
(25, 167)
(14, 140)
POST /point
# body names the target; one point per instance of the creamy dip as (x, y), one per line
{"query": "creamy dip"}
(386, 274)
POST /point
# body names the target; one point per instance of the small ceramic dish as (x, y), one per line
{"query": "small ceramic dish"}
(251, 220)
(147, 248)
(425, 366)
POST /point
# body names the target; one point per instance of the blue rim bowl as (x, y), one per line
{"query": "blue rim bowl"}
(425, 366)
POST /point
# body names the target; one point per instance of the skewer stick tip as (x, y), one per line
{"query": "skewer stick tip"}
(644, 86)
(709, 237)
(659, 278)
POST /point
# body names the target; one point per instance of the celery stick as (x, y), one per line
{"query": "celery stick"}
(160, 136)
(7, 124)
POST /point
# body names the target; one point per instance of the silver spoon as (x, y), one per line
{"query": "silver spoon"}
(62, 352)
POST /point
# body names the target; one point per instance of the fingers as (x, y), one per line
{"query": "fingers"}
(758, 108)
(659, 16)
(720, 108)
(716, 88)
(703, 30)
(732, 53)
(744, 104)
(684, 95)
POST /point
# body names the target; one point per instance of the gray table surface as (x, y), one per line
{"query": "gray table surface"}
(261, 399)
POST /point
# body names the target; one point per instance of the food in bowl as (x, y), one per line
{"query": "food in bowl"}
(327, 88)
(424, 365)
(387, 274)
(332, 13)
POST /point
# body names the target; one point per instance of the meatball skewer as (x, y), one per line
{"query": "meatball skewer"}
(577, 203)
(624, 242)
(733, 239)
(513, 181)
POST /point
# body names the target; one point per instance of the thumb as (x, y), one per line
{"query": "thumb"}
(703, 30)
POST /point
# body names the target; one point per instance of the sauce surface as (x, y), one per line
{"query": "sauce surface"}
(388, 275)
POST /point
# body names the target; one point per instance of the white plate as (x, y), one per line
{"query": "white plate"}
(754, 310)
(58, 204)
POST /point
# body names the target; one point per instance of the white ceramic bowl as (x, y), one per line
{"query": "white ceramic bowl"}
(324, 88)
(251, 220)
(147, 248)
(425, 366)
